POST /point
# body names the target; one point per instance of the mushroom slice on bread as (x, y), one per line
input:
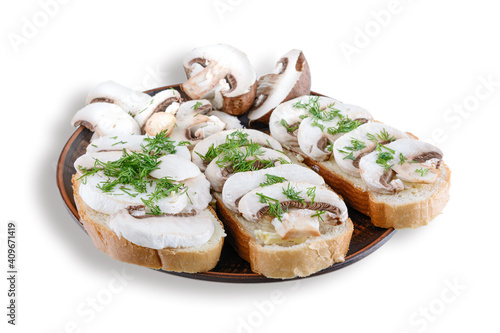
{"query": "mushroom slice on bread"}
(106, 119)
(206, 150)
(286, 118)
(130, 100)
(351, 147)
(238, 159)
(241, 183)
(290, 78)
(222, 74)
(164, 231)
(167, 101)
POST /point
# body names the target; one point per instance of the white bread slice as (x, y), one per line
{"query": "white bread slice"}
(190, 259)
(411, 208)
(287, 260)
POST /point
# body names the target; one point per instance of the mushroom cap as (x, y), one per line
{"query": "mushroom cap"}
(159, 122)
(231, 121)
(175, 168)
(217, 177)
(348, 156)
(219, 138)
(158, 232)
(241, 183)
(289, 114)
(250, 205)
(128, 99)
(290, 78)
(164, 101)
(222, 74)
(106, 119)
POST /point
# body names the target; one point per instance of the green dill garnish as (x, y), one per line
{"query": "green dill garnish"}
(93, 145)
(288, 128)
(383, 160)
(378, 147)
(159, 145)
(114, 137)
(402, 159)
(318, 215)
(196, 105)
(311, 193)
(272, 179)
(345, 125)
(355, 145)
(383, 136)
(350, 155)
(233, 140)
(422, 171)
(184, 143)
(274, 206)
(292, 194)
(315, 123)
(119, 142)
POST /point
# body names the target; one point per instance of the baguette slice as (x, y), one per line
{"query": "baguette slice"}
(190, 259)
(411, 208)
(285, 262)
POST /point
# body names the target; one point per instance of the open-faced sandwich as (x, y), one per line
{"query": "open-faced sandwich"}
(156, 163)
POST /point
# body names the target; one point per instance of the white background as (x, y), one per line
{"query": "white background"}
(411, 70)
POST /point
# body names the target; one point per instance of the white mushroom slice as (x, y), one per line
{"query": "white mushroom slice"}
(290, 78)
(129, 100)
(418, 161)
(300, 223)
(164, 101)
(131, 143)
(159, 232)
(106, 119)
(316, 136)
(232, 122)
(286, 118)
(221, 74)
(217, 139)
(198, 193)
(160, 122)
(255, 204)
(88, 160)
(241, 183)
(119, 198)
(378, 178)
(217, 174)
(175, 168)
(352, 146)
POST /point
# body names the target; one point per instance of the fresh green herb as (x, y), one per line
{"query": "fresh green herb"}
(196, 105)
(383, 160)
(383, 136)
(93, 145)
(350, 155)
(317, 124)
(355, 145)
(318, 215)
(288, 128)
(274, 206)
(119, 142)
(292, 194)
(114, 137)
(233, 140)
(402, 159)
(422, 171)
(159, 145)
(184, 143)
(345, 125)
(378, 147)
(272, 179)
(311, 193)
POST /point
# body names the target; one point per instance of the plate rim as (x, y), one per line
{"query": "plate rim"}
(215, 276)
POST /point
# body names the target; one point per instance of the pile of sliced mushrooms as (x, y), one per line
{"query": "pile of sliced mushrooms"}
(203, 119)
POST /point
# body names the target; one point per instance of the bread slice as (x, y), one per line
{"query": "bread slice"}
(286, 260)
(413, 207)
(190, 259)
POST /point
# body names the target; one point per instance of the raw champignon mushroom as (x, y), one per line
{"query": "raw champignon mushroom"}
(175, 168)
(241, 183)
(291, 78)
(165, 101)
(221, 74)
(106, 119)
(376, 177)
(160, 122)
(129, 100)
(349, 149)
(232, 122)
(193, 124)
(164, 231)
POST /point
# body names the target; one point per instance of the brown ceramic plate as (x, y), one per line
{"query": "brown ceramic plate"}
(231, 268)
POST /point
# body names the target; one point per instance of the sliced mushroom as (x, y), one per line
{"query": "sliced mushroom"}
(221, 74)
(106, 119)
(119, 198)
(297, 224)
(286, 118)
(198, 193)
(253, 208)
(88, 160)
(218, 173)
(159, 232)
(131, 143)
(129, 100)
(217, 139)
(316, 136)
(160, 122)
(378, 178)
(232, 122)
(164, 101)
(175, 168)
(241, 183)
(291, 78)
(352, 146)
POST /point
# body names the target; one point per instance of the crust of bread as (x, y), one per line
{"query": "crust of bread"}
(275, 261)
(190, 260)
(381, 208)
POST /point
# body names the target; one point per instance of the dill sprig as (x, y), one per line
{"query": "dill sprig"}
(291, 193)
(383, 160)
(288, 127)
(319, 214)
(159, 145)
(272, 179)
(422, 171)
(274, 206)
(311, 193)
